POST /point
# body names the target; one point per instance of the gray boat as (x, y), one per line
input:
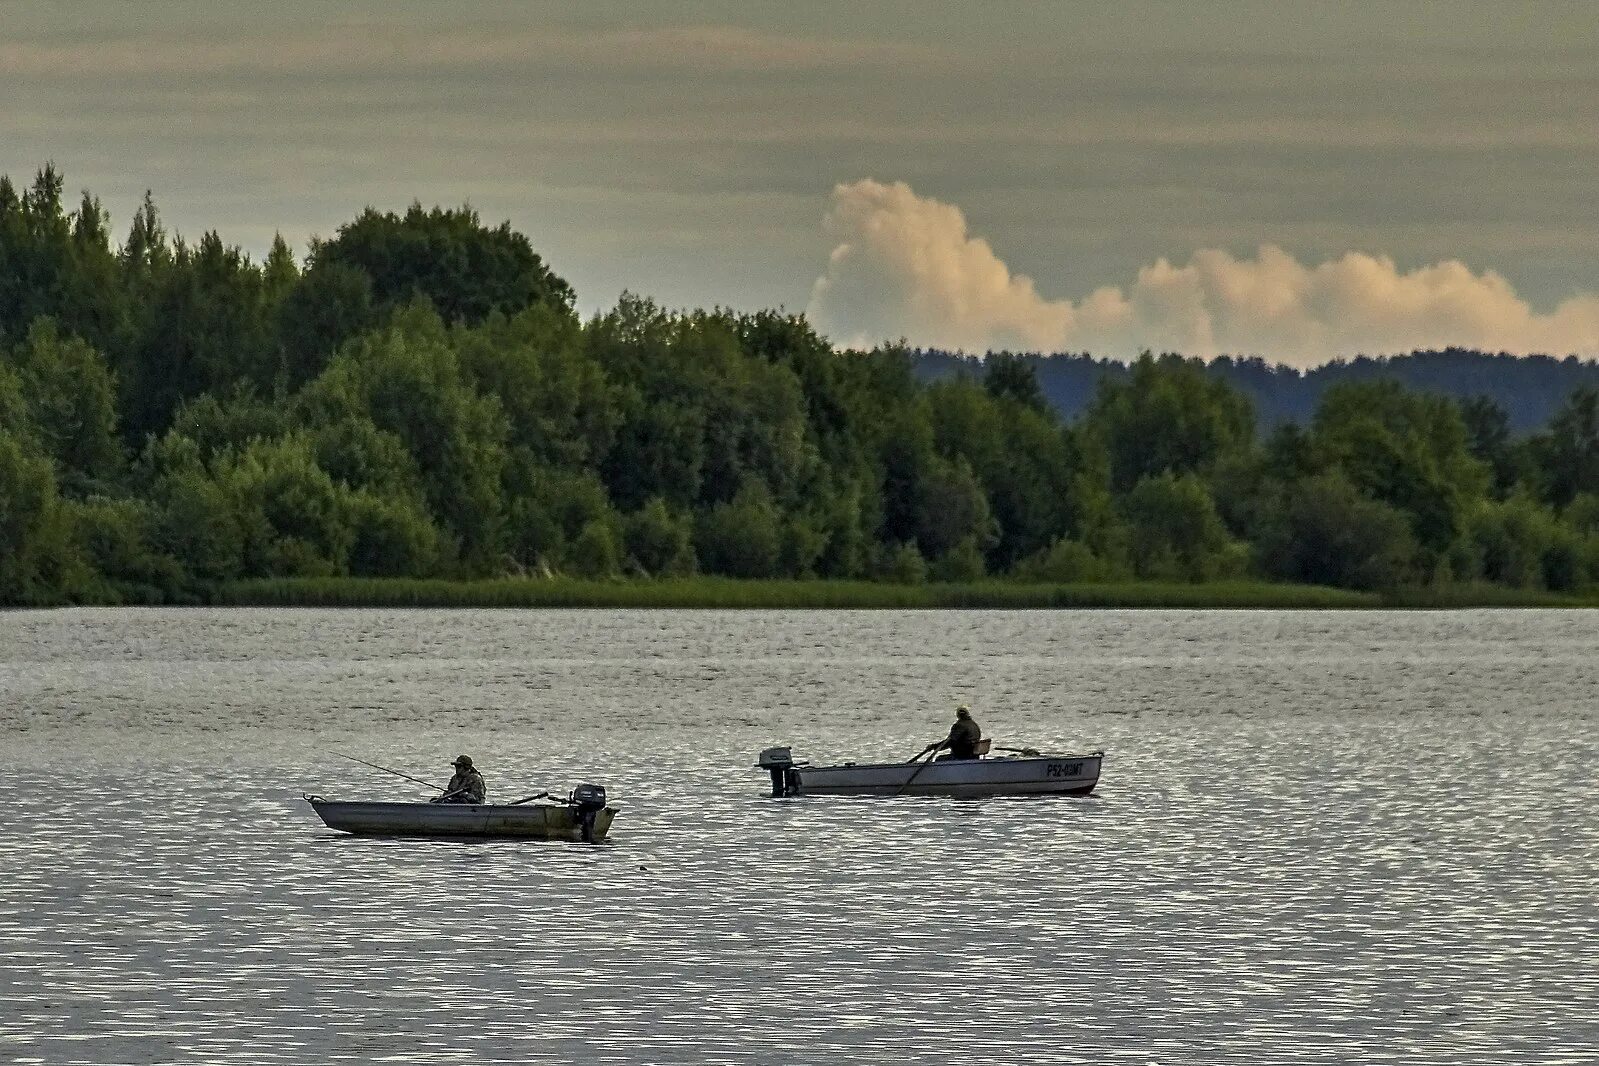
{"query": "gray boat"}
(1027, 773)
(584, 817)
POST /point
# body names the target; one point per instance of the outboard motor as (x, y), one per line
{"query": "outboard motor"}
(779, 762)
(587, 801)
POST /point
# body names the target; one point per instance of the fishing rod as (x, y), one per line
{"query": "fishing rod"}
(931, 755)
(386, 770)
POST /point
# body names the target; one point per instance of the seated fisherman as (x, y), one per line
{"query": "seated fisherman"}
(466, 786)
(963, 737)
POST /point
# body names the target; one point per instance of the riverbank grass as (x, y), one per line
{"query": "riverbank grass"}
(708, 592)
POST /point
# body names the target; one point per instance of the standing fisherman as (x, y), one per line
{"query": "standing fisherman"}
(963, 737)
(466, 786)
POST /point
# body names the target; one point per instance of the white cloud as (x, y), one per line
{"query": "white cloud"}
(906, 266)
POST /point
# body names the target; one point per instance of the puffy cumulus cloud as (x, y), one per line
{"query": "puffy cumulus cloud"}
(906, 266)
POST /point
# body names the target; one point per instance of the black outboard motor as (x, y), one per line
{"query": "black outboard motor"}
(779, 762)
(586, 802)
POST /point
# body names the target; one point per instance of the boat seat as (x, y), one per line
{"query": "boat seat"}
(982, 747)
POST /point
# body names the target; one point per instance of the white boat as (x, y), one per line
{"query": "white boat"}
(579, 819)
(1026, 774)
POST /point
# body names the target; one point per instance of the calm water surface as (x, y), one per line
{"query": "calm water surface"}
(1320, 837)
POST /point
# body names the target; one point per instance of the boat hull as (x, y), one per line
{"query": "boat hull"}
(459, 820)
(1060, 775)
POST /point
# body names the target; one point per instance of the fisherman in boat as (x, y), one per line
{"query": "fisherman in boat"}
(963, 737)
(466, 786)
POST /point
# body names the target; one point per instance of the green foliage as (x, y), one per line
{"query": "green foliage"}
(1068, 561)
(595, 551)
(1039, 479)
(1489, 440)
(354, 451)
(407, 381)
(57, 264)
(70, 395)
(560, 407)
(951, 510)
(420, 401)
(902, 564)
(557, 507)
(1012, 377)
(33, 537)
(1569, 452)
(1168, 416)
(392, 537)
(741, 538)
(1324, 532)
(464, 268)
(963, 562)
(117, 538)
(203, 323)
(699, 417)
(1519, 543)
(232, 420)
(195, 521)
(1175, 532)
(1406, 450)
(1582, 514)
(657, 541)
(332, 303)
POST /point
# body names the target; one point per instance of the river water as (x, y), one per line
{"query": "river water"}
(1319, 837)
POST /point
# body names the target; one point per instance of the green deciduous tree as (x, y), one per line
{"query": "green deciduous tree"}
(658, 541)
(71, 399)
(33, 537)
(1406, 450)
(1325, 532)
(1520, 543)
(596, 550)
(1568, 452)
(1167, 416)
(117, 538)
(1174, 530)
(741, 538)
(407, 381)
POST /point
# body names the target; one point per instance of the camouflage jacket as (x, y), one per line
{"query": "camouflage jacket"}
(469, 783)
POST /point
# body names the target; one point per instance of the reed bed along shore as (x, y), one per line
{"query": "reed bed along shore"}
(734, 594)
(727, 593)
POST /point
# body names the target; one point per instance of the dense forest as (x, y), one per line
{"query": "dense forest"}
(417, 397)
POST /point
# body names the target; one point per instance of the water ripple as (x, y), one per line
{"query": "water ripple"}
(1319, 836)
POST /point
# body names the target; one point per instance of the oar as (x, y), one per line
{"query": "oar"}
(917, 772)
(386, 770)
(529, 799)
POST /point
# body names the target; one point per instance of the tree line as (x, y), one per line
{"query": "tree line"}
(1528, 388)
(418, 398)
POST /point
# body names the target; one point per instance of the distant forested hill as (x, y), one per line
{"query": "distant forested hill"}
(1529, 388)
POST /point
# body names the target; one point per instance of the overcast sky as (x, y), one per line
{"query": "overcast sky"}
(1296, 179)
